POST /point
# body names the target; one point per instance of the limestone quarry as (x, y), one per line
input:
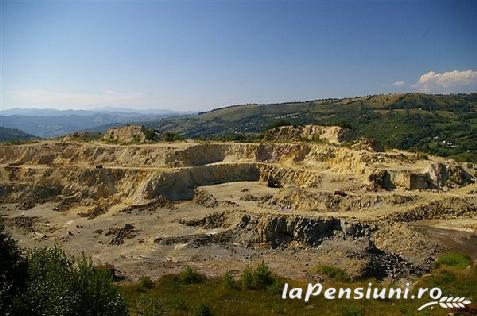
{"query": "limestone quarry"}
(151, 209)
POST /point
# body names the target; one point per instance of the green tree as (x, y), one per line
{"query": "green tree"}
(12, 271)
(56, 285)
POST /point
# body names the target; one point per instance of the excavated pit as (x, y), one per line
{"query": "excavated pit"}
(223, 204)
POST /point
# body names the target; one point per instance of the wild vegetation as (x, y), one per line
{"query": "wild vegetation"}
(46, 281)
(257, 291)
(444, 125)
(14, 135)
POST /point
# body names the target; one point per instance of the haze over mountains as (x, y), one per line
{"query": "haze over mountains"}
(48, 123)
(444, 125)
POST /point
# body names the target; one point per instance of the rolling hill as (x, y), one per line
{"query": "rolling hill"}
(13, 134)
(444, 125)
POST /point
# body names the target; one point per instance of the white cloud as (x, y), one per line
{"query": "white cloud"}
(66, 100)
(447, 82)
(399, 83)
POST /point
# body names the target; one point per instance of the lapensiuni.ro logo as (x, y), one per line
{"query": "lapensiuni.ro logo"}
(434, 296)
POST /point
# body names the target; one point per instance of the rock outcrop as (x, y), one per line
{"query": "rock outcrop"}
(126, 135)
(330, 134)
(367, 144)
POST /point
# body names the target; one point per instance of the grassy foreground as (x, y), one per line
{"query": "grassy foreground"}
(258, 292)
(46, 281)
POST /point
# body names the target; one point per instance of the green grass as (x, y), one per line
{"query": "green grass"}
(223, 296)
(411, 121)
(453, 259)
(333, 273)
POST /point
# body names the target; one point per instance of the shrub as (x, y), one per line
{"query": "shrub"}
(190, 276)
(57, 286)
(145, 283)
(147, 305)
(203, 310)
(13, 271)
(98, 295)
(229, 281)
(150, 134)
(262, 276)
(247, 278)
(258, 279)
(276, 286)
(454, 259)
(333, 273)
(170, 136)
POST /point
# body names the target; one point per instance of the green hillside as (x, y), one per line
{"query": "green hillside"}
(13, 134)
(444, 125)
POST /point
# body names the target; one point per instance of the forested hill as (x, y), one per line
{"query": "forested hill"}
(444, 125)
(13, 134)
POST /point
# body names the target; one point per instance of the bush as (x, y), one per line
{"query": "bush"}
(56, 285)
(145, 283)
(149, 134)
(229, 281)
(259, 279)
(203, 310)
(262, 276)
(170, 136)
(333, 273)
(276, 287)
(147, 305)
(247, 278)
(279, 123)
(13, 271)
(454, 260)
(190, 276)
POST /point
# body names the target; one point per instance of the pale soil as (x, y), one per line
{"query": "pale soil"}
(294, 229)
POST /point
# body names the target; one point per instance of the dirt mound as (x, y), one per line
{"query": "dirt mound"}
(294, 198)
(395, 239)
(94, 212)
(121, 233)
(205, 199)
(27, 223)
(214, 220)
(444, 208)
(330, 134)
(158, 202)
(367, 144)
(126, 135)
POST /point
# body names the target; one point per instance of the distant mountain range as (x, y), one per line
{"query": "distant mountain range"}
(444, 125)
(55, 112)
(48, 123)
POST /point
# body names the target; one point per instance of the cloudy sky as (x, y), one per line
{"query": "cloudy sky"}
(197, 55)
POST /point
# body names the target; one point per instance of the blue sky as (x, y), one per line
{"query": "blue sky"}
(197, 55)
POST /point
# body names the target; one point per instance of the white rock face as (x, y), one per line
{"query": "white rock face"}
(128, 134)
(330, 134)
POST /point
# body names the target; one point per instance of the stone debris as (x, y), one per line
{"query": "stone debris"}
(205, 199)
(27, 223)
(209, 204)
(94, 212)
(121, 233)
